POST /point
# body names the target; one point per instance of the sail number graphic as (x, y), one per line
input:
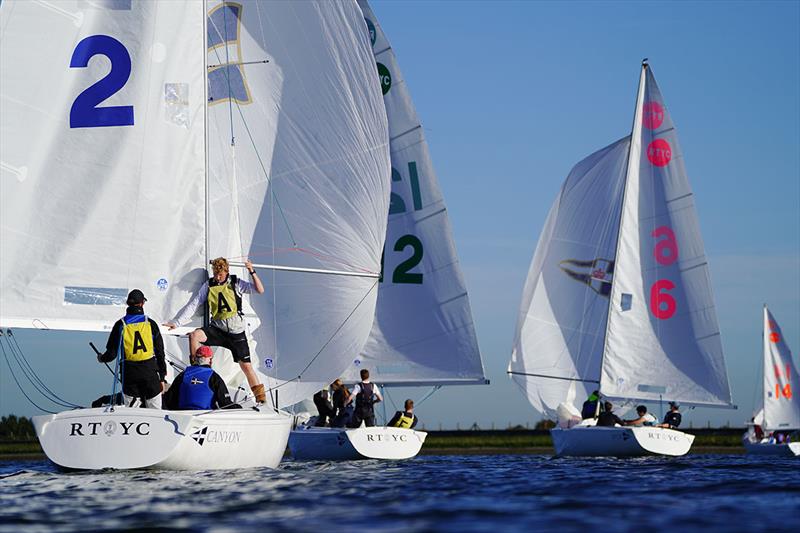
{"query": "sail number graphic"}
(397, 204)
(84, 112)
(662, 304)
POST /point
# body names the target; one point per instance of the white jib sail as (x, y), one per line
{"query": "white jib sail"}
(307, 183)
(101, 158)
(781, 401)
(558, 344)
(663, 339)
(423, 331)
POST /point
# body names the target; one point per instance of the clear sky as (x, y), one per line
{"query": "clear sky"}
(512, 95)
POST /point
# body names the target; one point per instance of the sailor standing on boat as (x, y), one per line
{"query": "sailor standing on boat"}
(223, 292)
(138, 341)
(366, 396)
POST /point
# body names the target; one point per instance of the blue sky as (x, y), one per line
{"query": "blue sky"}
(512, 94)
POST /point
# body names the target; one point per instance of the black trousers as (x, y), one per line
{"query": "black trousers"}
(365, 415)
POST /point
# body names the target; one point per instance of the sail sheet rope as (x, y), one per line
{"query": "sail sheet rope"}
(9, 344)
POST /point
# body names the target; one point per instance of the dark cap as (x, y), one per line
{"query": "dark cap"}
(674, 405)
(136, 297)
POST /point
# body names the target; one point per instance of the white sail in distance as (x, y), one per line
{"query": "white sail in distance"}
(101, 159)
(781, 400)
(663, 339)
(305, 183)
(423, 332)
(558, 346)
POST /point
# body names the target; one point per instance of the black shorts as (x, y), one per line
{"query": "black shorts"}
(235, 342)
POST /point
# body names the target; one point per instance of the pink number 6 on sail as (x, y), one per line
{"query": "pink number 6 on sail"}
(662, 305)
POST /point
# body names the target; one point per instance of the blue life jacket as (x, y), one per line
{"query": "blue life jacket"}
(195, 393)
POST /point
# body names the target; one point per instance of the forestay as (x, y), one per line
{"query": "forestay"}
(663, 339)
(781, 401)
(558, 345)
(306, 184)
(423, 331)
(102, 170)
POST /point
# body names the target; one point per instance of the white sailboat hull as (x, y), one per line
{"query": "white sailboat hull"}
(764, 447)
(340, 444)
(620, 441)
(135, 438)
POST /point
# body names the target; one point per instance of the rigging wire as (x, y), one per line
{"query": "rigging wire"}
(30, 373)
(19, 385)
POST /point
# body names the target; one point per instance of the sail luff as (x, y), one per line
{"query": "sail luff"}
(634, 155)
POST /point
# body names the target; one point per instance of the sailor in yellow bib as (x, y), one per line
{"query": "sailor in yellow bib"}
(404, 419)
(137, 341)
(223, 293)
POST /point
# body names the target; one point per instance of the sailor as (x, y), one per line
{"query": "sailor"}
(607, 418)
(223, 292)
(404, 419)
(341, 411)
(591, 405)
(673, 418)
(324, 407)
(366, 396)
(644, 418)
(138, 341)
(198, 387)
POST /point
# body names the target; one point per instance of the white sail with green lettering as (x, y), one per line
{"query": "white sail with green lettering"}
(423, 331)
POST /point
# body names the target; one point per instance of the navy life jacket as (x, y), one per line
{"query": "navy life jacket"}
(195, 392)
(673, 419)
(365, 398)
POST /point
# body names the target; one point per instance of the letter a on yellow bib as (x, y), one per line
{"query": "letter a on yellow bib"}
(222, 301)
(137, 341)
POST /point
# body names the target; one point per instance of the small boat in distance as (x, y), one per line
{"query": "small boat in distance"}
(771, 430)
(618, 295)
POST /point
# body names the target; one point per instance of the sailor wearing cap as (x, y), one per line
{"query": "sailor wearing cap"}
(198, 387)
(137, 340)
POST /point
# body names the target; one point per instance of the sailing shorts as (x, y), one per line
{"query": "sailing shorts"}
(235, 342)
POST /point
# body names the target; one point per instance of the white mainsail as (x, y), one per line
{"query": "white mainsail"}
(101, 159)
(97, 201)
(781, 401)
(423, 332)
(619, 293)
(305, 184)
(663, 339)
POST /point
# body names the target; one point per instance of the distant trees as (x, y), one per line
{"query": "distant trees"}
(545, 424)
(16, 428)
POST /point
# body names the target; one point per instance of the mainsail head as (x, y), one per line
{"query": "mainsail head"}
(781, 379)
(423, 331)
(663, 339)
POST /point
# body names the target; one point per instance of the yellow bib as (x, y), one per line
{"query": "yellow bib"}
(222, 301)
(404, 421)
(137, 341)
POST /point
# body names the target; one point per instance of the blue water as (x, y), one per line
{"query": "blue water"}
(430, 493)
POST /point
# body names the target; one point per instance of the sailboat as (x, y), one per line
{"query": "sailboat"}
(618, 296)
(780, 409)
(423, 334)
(139, 138)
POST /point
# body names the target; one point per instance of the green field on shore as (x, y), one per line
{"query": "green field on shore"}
(471, 440)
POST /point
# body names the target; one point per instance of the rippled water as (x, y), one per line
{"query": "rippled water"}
(443, 493)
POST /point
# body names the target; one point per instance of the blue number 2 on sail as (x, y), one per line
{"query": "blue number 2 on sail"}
(84, 112)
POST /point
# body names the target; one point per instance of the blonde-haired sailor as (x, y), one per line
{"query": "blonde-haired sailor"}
(223, 292)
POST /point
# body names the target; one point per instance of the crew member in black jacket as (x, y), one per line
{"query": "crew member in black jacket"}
(137, 340)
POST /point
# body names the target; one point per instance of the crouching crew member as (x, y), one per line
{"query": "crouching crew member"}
(366, 396)
(138, 340)
(198, 387)
(404, 419)
(223, 292)
(673, 418)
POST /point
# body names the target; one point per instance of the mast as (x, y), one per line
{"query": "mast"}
(206, 201)
(635, 144)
